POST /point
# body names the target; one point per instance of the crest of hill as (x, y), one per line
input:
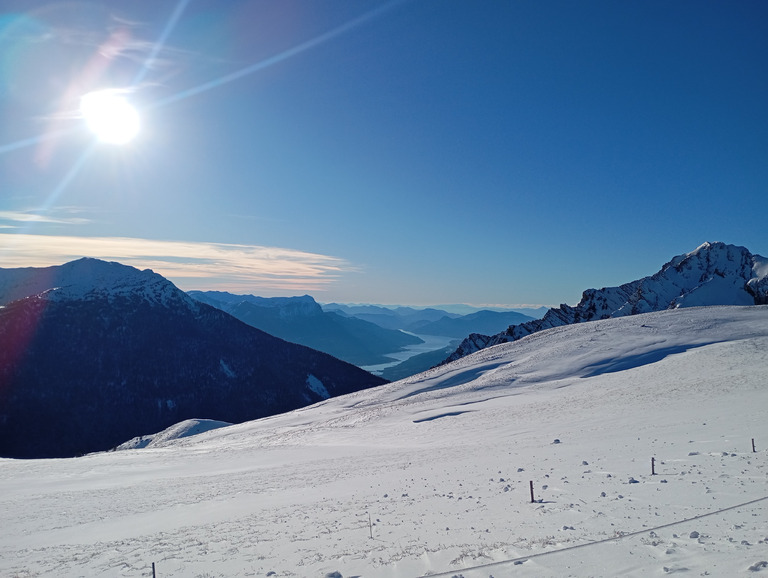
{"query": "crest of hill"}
(184, 429)
(712, 274)
(572, 352)
(549, 361)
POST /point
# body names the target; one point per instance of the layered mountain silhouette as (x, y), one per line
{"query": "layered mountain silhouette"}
(94, 353)
(302, 320)
(433, 321)
(712, 274)
(405, 318)
(477, 322)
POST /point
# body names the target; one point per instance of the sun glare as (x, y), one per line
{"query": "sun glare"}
(110, 116)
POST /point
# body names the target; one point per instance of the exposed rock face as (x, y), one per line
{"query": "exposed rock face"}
(713, 274)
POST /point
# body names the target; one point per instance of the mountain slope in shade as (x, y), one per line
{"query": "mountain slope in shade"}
(302, 320)
(104, 352)
(713, 274)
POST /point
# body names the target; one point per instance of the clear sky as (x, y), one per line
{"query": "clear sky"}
(408, 152)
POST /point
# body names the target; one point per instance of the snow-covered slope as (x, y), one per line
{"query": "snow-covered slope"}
(431, 475)
(186, 428)
(712, 274)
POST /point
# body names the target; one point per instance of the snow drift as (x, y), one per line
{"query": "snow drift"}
(186, 428)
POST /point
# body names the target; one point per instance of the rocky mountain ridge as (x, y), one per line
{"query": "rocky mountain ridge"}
(712, 274)
(286, 307)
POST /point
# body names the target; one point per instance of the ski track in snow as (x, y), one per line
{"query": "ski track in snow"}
(444, 474)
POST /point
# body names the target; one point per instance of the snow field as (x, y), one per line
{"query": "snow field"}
(444, 474)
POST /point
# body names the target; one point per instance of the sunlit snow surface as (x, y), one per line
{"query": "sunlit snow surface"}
(442, 463)
(186, 428)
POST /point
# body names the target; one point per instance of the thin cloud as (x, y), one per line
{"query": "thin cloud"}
(31, 217)
(191, 265)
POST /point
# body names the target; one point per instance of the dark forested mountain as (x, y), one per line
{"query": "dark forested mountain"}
(96, 353)
(302, 320)
(713, 274)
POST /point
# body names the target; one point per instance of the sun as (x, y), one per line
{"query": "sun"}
(110, 116)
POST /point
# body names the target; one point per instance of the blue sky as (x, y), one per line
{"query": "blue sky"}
(409, 152)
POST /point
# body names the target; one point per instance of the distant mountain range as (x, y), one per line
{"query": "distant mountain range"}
(431, 321)
(425, 322)
(403, 318)
(95, 353)
(712, 274)
(301, 320)
(473, 323)
(364, 335)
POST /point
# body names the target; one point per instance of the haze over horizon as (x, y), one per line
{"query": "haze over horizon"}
(403, 152)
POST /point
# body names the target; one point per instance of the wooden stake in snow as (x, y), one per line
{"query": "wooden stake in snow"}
(153, 570)
(653, 466)
(532, 498)
(370, 525)
(753, 446)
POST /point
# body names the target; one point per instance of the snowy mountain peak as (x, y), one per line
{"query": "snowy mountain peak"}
(712, 274)
(88, 279)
